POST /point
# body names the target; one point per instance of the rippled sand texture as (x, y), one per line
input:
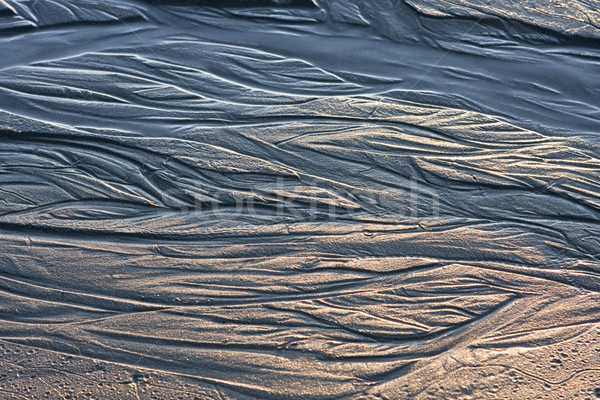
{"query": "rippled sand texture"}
(294, 200)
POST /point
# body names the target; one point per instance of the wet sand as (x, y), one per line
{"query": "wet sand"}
(299, 200)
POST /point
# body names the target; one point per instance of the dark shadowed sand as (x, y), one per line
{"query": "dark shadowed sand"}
(368, 199)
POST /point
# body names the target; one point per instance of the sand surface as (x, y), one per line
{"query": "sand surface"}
(367, 199)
